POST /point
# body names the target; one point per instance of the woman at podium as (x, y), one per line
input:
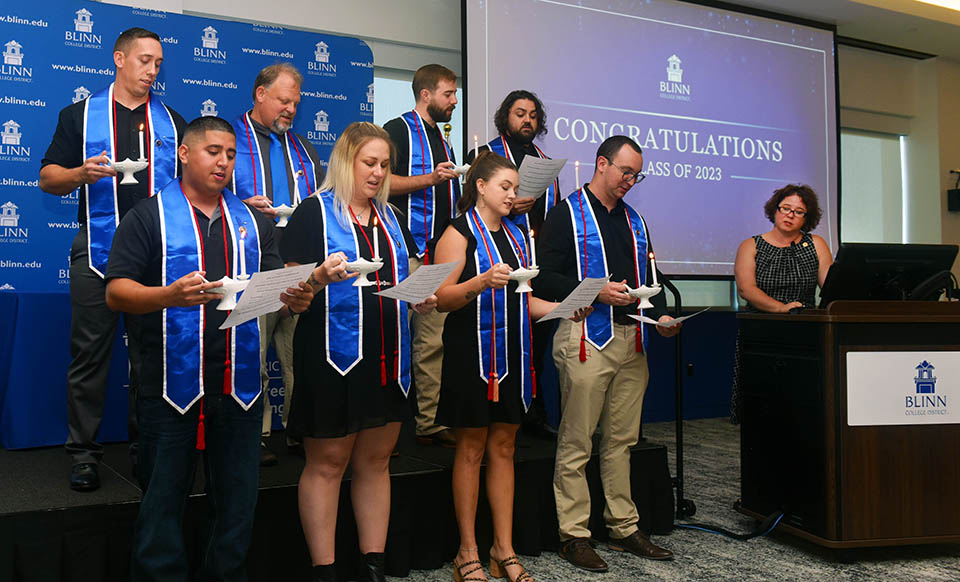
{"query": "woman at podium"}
(779, 270)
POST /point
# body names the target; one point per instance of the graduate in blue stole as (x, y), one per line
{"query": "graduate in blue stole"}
(425, 186)
(120, 121)
(488, 378)
(601, 362)
(351, 350)
(200, 387)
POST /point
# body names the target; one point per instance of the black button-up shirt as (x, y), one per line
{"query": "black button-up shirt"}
(557, 256)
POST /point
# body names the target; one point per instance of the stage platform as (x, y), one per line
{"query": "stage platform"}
(50, 533)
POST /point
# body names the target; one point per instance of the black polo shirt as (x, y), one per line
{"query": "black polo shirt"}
(557, 255)
(398, 130)
(137, 254)
(520, 150)
(66, 150)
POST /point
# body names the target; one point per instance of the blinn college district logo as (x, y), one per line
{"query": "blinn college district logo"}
(209, 50)
(321, 65)
(925, 401)
(10, 148)
(13, 68)
(321, 133)
(674, 88)
(10, 229)
(82, 34)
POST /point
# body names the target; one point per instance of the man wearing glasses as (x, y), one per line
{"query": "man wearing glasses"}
(601, 362)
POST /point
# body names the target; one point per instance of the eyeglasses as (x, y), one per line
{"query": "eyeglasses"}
(629, 176)
(785, 210)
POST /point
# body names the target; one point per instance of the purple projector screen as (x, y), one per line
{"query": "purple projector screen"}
(727, 107)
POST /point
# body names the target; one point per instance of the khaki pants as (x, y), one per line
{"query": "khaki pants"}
(427, 362)
(607, 389)
(278, 328)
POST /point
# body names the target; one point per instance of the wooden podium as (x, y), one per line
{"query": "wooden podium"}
(844, 486)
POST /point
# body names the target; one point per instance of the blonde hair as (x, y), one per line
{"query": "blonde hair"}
(340, 179)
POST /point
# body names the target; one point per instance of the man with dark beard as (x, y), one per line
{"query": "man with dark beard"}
(426, 188)
(275, 167)
(519, 120)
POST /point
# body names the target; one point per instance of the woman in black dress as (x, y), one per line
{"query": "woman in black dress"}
(780, 270)
(487, 380)
(351, 349)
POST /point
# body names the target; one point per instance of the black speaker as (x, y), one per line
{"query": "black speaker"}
(953, 200)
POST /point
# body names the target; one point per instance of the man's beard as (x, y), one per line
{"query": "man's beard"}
(524, 138)
(278, 129)
(438, 114)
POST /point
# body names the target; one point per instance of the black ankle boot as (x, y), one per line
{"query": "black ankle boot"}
(325, 573)
(372, 568)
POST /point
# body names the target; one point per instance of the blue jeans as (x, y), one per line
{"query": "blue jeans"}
(165, 470)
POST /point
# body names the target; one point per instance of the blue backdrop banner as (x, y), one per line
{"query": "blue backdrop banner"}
(57, 52)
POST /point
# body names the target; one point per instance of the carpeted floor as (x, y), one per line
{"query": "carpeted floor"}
(712, 472)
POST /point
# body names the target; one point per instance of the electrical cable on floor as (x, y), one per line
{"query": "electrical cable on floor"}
(763, 528)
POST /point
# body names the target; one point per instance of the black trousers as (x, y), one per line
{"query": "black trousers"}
(93, 327)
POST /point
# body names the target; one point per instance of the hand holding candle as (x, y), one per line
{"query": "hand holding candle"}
(243, 254)
(141, 142)
(653, 269)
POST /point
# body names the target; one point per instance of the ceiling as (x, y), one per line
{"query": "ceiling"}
(899, 23)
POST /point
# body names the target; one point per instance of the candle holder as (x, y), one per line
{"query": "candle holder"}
(283, 214)
(524, 276)
(364, 267)
(229, 291)
(462, 169)
(128, 168)
(644, 293)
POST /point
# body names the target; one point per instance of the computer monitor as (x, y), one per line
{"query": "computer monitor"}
(882, 271)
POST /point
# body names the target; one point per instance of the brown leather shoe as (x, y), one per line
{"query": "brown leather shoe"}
(579, 552)
(639, 545)
(445, 438)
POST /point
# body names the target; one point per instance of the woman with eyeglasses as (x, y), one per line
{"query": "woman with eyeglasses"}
(779, 270)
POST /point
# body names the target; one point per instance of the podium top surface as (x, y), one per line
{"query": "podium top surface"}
(870, 312)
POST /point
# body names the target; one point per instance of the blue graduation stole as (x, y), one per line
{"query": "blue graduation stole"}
(103, 213)
(592, 262)
(248, 171)
(499, 146)
(492, 313)
(421, 204)
(184, 327)
(343, 301)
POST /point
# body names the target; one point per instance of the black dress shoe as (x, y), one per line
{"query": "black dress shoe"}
(579, 552)
(85, 477)
(539, 428)
(639, 545)
(372, 568)
(268, 458)
(325, 573)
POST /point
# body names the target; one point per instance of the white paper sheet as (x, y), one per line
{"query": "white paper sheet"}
(423, 283)
(672, 323)
(584, 295)
(262, 295)
(536, 174)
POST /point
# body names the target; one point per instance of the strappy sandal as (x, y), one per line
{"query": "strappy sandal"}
(498, 569)
(460, 576)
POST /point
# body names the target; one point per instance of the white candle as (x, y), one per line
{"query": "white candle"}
(576, 174)
(243, 254)
(296, 189)
(141, 142)
(376, 240)
(476, 147)
(533, 250)
(653, 269)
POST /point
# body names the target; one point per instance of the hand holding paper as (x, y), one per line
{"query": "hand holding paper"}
(262, 294)
(422, 284)
(584, 295)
